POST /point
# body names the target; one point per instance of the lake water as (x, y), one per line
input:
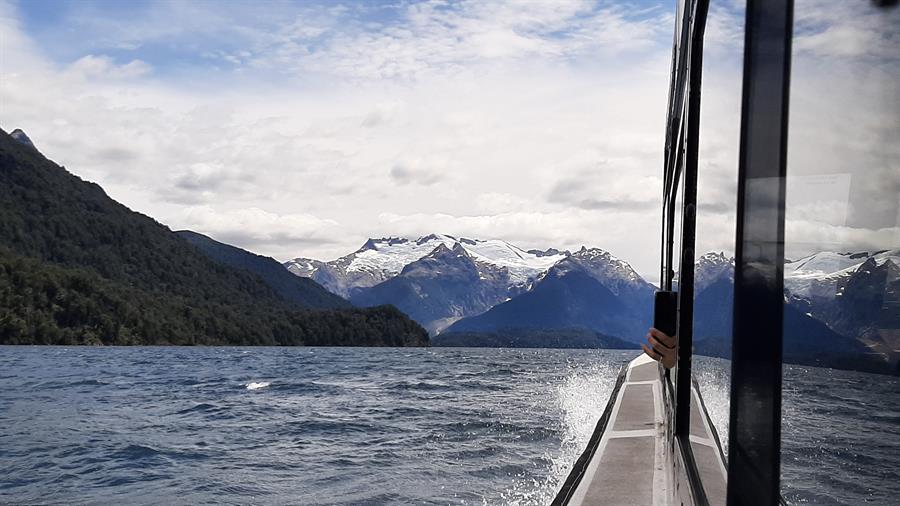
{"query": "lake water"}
(356, 425)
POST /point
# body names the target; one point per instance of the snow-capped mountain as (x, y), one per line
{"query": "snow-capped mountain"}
(615, 274)
(839, 306)
(376, 261)
(589, 290)
(819, 277)
(381, 259)
(862, 301)
(442, 287)
(439, 279)
(709, 267)
(837, 303)
(807, 339)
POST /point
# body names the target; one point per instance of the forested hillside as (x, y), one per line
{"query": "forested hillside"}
(301, 291)
(78, 267)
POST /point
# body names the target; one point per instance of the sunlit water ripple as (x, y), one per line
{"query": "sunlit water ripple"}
(342, 425)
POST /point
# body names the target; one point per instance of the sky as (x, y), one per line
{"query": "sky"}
(303, 128)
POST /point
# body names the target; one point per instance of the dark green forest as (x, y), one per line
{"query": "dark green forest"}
(77, 267)
(302, 291)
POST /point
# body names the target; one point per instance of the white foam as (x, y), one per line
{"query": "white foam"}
(581, 397)
(257, 385)
(713, 377)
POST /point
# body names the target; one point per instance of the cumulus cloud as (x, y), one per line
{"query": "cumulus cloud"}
(457, 37)
(613, 185)
(419, 172)
(301, 130)
(102, 66)
(537, 229)
(256, 229)
(848, 29)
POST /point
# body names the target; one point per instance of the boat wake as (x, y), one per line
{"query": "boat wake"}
(713, 377)
(581, 399)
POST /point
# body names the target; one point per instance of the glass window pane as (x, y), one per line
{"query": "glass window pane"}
(716, 211)
(840, 404)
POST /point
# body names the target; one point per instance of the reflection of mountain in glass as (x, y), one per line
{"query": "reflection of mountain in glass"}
(841, 308)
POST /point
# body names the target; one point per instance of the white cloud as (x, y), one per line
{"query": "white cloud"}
(255, 228)
(102, 66)
(419, 171)
(847, 29)
(449, 38)
(631, 236)
(805, 236)
(539, 122)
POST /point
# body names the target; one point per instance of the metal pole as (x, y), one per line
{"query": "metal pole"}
(755, 427)
(689, 226)
(674, 141)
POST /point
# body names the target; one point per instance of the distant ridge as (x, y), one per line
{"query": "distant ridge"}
(442, 287)
(841, 309)
(589, 289)
(848, 324)
(381, 259)
(304, 292)
(440, 280)
(22, 138)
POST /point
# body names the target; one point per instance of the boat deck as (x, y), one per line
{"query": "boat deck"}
(628, 461)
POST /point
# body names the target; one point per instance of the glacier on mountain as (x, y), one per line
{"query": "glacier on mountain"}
(819, 276)
(461, 284)
(381, 259)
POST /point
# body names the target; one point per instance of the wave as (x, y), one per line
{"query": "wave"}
(135, 451)
(253, 385)
(203, 407)
(135, 455)
(55, 384)
(580, 399)
(417, 385)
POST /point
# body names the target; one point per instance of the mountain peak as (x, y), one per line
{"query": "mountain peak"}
(381, 259)
(710, 267)
(432, 237)
(373, 244)
(714, 258)
(717, 256)
(22, 138)
(440, 250)
(459, 249)
(614, 273)
(548, 252)
(595, 253)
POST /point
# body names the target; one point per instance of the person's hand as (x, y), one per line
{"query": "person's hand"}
(662, 348)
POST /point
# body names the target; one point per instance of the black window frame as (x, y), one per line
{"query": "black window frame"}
(754, 442)
(755, 417)
(680, 168)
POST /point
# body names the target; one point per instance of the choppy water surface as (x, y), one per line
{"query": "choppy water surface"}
(288, 425)
(840, 432)
(329, 425)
